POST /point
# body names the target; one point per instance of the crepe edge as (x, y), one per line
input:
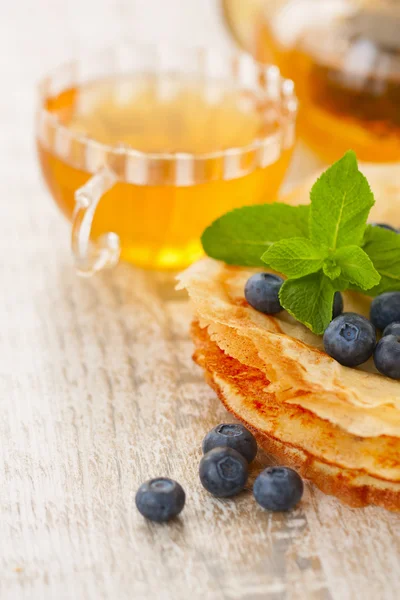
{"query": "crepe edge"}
(330, 479)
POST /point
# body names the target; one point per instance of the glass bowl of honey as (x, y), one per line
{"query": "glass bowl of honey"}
(142, 147)
(344, 57)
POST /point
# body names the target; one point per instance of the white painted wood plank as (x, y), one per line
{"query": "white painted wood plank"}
(98, 392)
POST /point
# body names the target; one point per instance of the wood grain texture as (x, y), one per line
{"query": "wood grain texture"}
(98, 393)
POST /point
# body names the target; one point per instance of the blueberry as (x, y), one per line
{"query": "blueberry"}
(278, 488)
(160, 499)
(262, 292)
(387, 356)
(337, 305)
(392, 329)
(231, 435)
(385, 309)
(350, 339)
(385, 226)
(223, 472)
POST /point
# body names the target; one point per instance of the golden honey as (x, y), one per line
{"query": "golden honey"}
(344, 57)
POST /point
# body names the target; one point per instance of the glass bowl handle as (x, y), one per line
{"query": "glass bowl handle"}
(89, 255)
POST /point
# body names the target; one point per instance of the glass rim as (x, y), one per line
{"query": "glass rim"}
(265, 79)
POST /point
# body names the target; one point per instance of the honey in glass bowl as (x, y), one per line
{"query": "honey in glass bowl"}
(154, 151)
(344, 56)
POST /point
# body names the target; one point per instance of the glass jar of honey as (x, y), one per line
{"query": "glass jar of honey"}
(344, 56)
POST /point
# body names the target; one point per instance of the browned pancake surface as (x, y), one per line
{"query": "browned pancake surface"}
(337, 462)
(340, 427)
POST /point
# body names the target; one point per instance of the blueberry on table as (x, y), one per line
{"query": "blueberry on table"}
(350, 339)
(262, 292)
(223, 472)
(387, 356)
(385, 309)
(160, 499)
(278, 488)
(392, 329)
(385, 226)
(337, 305)
(231, 435)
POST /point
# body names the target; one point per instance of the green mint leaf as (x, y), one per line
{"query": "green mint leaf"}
(309, 300)
(357, 267)
(241, 237)
(383, 248)
(295, 257)
(341, 284)
(340, 202)
(331, 269)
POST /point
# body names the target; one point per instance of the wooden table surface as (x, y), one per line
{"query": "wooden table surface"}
(98, 393)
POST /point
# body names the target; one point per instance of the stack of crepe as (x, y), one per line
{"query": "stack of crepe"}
(338, 426)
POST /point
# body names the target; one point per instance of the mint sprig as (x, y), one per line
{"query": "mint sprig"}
(295, 257)
(322, 248)
(309, 300)
(241, 236)
(340, 203)
(383, 248)
(356, 267)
